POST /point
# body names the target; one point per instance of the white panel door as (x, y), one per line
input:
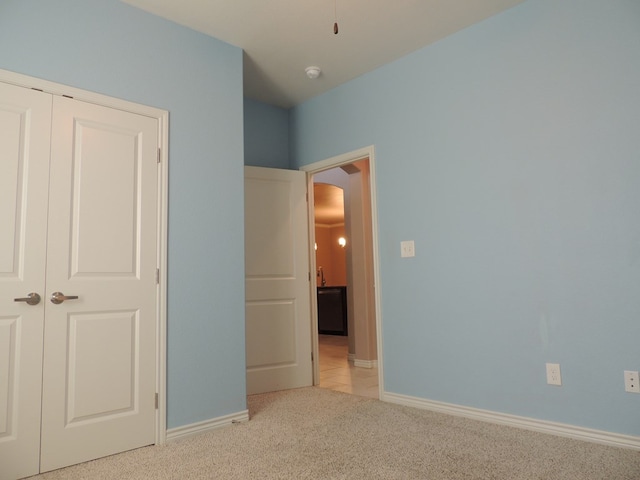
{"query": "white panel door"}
(25, 126)
(278, 322)
(99, 374)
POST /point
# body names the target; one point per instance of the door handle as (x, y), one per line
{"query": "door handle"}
(31, 299)
(59, 297)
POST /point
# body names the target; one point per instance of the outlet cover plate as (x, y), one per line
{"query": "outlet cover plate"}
(631, 383)
(553, 374)
(407, 248)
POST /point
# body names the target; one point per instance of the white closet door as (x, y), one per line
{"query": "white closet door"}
(100, 349)
(25, 126)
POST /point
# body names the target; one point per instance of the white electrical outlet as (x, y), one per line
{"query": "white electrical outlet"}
(631, 383)
(407, 249)
(553, 374)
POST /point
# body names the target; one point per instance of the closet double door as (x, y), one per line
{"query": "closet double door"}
(78, 288)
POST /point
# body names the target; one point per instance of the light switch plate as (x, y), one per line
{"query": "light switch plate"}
(407, 248)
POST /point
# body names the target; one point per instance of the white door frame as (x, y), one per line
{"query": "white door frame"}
(163, 156)
(317, 167)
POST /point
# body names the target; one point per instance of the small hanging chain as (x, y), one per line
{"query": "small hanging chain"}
(335, 16)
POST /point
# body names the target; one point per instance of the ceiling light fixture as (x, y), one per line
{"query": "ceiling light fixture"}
(313, 72)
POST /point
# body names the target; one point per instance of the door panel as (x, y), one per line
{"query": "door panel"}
(99, 372)
(272, 323)
(278, 325)
(25, 126)
(105, 169)
(92, 338)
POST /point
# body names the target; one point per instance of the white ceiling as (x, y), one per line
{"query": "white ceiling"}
(281, 38)
(328, 204)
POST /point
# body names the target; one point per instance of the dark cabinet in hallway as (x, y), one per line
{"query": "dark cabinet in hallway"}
(332, 310)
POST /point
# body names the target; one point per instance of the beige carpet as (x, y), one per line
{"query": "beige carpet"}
(312, 433)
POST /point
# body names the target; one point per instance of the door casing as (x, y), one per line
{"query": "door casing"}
(317, 167)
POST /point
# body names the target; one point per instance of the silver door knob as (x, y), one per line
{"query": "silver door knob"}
(31, 299)
(59, 297)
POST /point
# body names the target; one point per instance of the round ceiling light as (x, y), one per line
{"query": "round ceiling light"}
(313, 72)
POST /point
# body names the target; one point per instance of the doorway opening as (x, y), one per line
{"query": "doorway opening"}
(347, 348)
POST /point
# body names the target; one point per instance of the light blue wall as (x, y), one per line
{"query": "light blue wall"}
(108, 47)
(510, 153)
(266, 135)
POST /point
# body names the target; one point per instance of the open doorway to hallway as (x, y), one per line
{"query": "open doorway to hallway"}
(339, 373)
(347, 344)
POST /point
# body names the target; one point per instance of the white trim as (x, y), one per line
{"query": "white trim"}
(553, 428)
(329, 225)
(313, 312)
(163, 181)
(163, 231)
(338, 161)
(365, 363)
(351, 357)
(79, 94)
(206, 426)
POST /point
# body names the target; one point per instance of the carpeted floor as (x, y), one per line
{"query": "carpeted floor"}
(312, 433)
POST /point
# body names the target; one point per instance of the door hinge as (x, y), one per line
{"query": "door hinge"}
(312, 356)
(157, 276)
(157, 400)
(159, 154)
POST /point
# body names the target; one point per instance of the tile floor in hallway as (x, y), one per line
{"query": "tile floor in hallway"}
(337, 373)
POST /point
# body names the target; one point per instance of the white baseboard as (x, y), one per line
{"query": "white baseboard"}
(365, 363)
(207, 425)
(554, 428)
(351, 357)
